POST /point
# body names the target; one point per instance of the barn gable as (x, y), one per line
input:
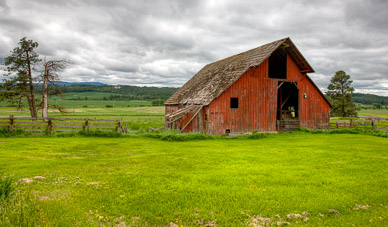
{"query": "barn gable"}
(215, 78)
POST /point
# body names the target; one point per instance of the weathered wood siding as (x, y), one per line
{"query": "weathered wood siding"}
(256, 110)
(168, 109)
(314, 111)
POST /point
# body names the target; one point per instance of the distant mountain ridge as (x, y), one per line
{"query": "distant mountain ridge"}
(80, 83)
(369, 99)
(150, 93)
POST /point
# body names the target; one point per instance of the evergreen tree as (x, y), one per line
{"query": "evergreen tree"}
(20, 66)
(340, 95)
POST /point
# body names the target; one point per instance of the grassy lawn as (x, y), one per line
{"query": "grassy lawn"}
(144, 181)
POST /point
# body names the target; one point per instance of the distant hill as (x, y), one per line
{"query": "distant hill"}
(80, 83)
(118, 92)
(128, 92)
(369, 99)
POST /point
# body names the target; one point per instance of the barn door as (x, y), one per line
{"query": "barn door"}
(288, 106)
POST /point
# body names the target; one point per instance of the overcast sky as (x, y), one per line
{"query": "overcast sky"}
(164, 43)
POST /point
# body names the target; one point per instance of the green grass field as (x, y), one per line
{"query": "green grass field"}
(374, 112)
(147, 182)
(126, 114)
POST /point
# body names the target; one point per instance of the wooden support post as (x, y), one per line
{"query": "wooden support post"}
(373, 124)
(86, 125)
(118, 127)
(49, 127)
(11, 123)
(336, 124)
(351, 123)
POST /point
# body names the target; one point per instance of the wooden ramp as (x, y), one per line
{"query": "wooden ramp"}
(288, 125)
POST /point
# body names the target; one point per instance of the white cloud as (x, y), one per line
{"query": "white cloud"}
(164, 43)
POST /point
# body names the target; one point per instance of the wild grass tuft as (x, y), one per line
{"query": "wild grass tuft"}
(6, 188)
(17, 205)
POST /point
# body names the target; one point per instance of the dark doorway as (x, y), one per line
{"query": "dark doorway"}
(277, 64)
(288, 105)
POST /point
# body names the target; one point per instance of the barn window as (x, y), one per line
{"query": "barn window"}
(234, 103)
(205, 117)
(277, 64)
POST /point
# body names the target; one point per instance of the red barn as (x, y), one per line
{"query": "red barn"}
(265, 89)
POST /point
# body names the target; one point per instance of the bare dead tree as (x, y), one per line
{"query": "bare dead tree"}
(50, 77)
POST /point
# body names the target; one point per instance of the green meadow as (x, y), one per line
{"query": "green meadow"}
(300, 179)
(297, 179)
(374, 112)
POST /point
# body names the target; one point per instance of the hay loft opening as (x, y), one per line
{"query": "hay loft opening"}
(277, 65)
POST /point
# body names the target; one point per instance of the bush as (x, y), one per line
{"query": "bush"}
(85, 106)
(173, 135)
(109, 106)
(98, 133)
(4, 132)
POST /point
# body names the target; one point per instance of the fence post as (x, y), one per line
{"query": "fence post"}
(86, 125)
(351, 123)
(11, 123)
(49, 127)
(373, 124)
(336, 124)
(118, 126)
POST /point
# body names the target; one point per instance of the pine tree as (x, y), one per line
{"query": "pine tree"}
(340, 95)
(20, 67)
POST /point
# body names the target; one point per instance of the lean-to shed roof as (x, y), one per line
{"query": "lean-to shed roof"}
(215, 78)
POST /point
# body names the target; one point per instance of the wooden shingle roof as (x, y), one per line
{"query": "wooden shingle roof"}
(215, 78)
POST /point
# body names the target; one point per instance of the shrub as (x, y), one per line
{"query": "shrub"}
(85, 106)
(4, 132)
(98, 133)
(109, 106)
(173, 135)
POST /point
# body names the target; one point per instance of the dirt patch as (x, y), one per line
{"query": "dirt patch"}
(361, 207)
(293, 216)
(44, 197)
(331, 211)
(26, 181)
(39, 178)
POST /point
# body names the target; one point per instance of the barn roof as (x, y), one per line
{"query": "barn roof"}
(215, 78)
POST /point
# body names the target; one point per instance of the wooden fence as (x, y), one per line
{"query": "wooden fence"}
(360, 124)
(45, 126)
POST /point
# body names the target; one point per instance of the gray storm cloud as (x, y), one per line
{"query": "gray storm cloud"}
(164, 43)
